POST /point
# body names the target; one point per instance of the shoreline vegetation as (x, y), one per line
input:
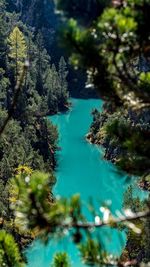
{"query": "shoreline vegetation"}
(144, 183)
(116, 148)
(112, 152)
(29, 138)
(109, 40)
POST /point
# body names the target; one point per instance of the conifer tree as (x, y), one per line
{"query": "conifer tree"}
(63, 75)
(3, 33)
(62, 69)
(17, 50)
(63, 85)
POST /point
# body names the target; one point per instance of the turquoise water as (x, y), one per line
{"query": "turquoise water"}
(81, 169)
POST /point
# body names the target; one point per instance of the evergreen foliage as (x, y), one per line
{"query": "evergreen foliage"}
(111, 47)
(137, 247)
(61, 260)
(17, 51)
(114, 50)
(9, 251)
(33, 138)
(29, 138)
(91, 251)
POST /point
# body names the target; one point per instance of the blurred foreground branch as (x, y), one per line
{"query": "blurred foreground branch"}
(112, 222)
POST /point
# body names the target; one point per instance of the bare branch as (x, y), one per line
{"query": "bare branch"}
(113, 221)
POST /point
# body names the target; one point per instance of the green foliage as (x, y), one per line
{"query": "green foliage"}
(124, 137)
(32, 198)
(9, 251)
(132, 141)
(33, 138)
(3, 88)
(34, 206)
(92, 252)
(35, 146)
(17, 51)
(131, 201)
(111, 47)
(120, 22)
(144, 81)
(61, 260)
(114, 50)
(29, 138)
(4, 205)
(62, 80)
(12, 154)
(137, 246)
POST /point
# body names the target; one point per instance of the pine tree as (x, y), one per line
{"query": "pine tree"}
(4, 84)
(63, 85)
(42, 63)
(17, 50)
(63, 74)
(3, 32)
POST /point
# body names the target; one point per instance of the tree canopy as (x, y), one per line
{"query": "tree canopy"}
(110, 41)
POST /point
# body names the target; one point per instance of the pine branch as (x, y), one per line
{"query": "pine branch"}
(113, 221)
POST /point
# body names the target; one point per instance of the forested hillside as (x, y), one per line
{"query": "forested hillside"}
(44, 91)
(31, 88)
(108, 43)
(43, 18)
(40, 17)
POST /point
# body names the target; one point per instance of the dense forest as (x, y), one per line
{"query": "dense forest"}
(44, 91)
(27, 97)
(104, 52)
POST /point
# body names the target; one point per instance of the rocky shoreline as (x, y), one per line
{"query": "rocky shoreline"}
(114, 149)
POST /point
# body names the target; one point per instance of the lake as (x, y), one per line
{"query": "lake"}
(82, 170)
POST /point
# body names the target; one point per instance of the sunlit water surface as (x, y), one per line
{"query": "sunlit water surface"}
(81, 169)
